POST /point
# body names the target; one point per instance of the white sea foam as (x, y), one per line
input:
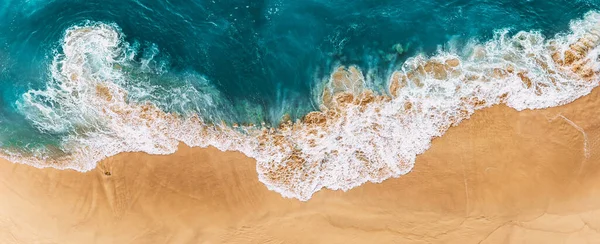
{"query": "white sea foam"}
(358, 136)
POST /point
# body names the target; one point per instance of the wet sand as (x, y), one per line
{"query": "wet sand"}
(500, 177)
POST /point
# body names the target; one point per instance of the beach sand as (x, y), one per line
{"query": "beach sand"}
(500, 177)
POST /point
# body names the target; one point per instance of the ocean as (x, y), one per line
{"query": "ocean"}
(323, 94)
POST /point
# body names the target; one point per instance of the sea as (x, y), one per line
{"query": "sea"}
(322, 93)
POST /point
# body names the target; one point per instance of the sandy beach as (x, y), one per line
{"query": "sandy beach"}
(500, 177)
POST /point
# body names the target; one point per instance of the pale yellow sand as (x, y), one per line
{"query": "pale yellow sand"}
(501, 177)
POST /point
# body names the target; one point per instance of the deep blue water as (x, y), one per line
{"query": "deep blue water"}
(264, 57)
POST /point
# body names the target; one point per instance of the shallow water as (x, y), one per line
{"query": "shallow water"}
(236, 62)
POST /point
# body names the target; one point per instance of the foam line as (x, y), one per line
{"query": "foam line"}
(359, 135)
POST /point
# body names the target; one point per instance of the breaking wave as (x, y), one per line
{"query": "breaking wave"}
(95, 97)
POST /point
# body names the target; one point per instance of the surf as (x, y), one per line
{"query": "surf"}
(359, 133)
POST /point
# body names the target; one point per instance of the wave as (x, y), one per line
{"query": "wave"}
(358, 135)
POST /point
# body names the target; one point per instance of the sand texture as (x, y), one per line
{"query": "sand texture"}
(500, 177)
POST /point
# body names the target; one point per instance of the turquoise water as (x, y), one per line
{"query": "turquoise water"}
(244, 61)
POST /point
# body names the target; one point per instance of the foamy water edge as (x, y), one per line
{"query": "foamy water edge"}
(359, 135)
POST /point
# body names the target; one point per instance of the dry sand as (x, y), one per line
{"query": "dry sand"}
(501, 177)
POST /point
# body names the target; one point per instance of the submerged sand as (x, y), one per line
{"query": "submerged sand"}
(500, 177)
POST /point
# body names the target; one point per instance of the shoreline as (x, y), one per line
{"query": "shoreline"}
(358, 135)
(501, 176)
